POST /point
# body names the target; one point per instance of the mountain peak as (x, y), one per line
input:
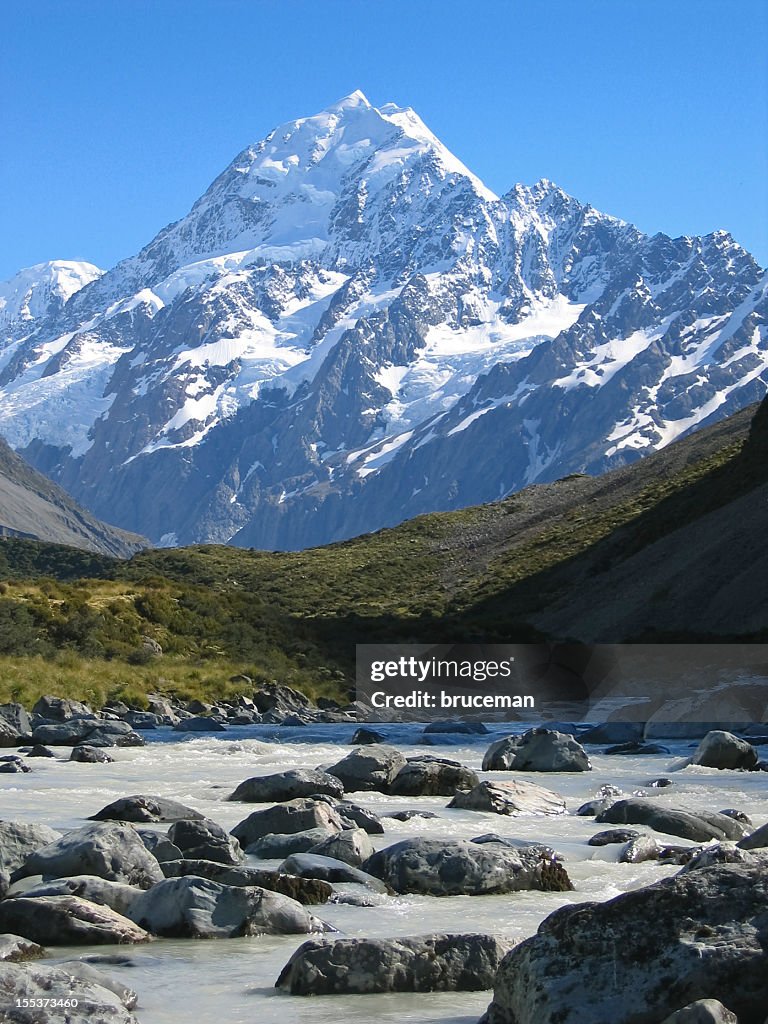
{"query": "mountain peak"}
(354, 99)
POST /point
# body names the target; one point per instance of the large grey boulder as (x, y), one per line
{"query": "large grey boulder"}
(15, 725)
(428, 963)
(199, 723)
(97, 733)
(328, 869)
(355, 816)
(308, 891)
(61, 709)
(86, 972)
(699, 826)
(294, 816)
(288, 785)
(115, 895)
(96, 1002)
(86, 754)
(437, 867)
(756, 840)
(703, 1011)
(511, 798)
(159, 845)
(9, 736)
(205, 840)
(613, 732)
(66, 921)
(351, 846)
(279, 845)
(721, 749)
(111, 851)
(18, 840)
(192, 907)
(645, 954)
(368, 769)
(142, 808)
(432, 776)
(14, 948)
(537, 750)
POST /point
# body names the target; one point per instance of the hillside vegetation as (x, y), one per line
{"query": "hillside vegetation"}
(641, 553)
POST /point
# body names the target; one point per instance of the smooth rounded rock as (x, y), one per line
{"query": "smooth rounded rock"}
(437, 867)
(111, 851)
(67, 921)
(537, 750)
(288, 785)
(142, 808)
(429, 963)
(192, 907)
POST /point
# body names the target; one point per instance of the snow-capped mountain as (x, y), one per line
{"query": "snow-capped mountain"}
(39, 292)
(349, 328)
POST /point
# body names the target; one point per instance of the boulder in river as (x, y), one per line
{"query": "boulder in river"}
(203, 839)
(159, 845)
(438, 867)
(18, 840)
(61, 709)
(85, 972)
(294, 816)
(429, 963)
(364, 736)
(371, 768)
(644, 954)
(328, 869)
(67, 921)
(614, 835)
(537, 750)
(115, 895)
(722, 750)
(276, 846)
(14, 948)
(96, 1002)
(355, 816)
(86, 754)
(756, 840)
(432, 776)
(513, 797)
(613, 732)
(698, 826)
(308, 891)
(639, 849)
(199, 723)
(141, 808)
(287, 785)
(352, 846)
(111, 851)
(192, 907)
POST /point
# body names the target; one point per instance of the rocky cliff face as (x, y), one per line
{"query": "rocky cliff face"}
(349, 329)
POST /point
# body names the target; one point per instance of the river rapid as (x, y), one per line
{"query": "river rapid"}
(207, 981)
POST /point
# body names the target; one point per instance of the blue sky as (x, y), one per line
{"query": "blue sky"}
(115, 115)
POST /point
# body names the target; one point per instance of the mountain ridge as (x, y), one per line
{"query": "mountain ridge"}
(348, 330)
(34, 508)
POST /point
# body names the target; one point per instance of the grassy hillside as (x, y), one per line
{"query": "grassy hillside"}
(574, 559)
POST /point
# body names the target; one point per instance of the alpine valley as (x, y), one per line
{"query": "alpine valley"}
(349, 329)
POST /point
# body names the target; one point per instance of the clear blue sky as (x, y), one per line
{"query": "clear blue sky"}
(116, 114)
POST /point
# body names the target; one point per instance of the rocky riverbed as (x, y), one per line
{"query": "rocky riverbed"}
(535, 858)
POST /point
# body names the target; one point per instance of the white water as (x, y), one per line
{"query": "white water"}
(232, 980)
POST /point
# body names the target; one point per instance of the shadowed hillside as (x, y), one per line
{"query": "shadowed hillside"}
(669, 548)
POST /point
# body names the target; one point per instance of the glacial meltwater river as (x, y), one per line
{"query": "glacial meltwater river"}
(231, 980)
